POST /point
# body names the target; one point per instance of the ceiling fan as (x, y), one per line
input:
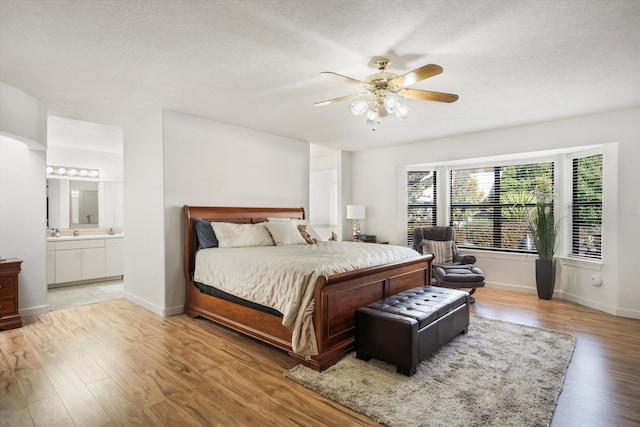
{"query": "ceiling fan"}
(384, 89)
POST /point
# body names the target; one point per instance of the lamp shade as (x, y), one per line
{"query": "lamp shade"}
(356, 212)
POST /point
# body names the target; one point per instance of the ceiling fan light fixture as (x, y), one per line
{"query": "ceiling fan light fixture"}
(359, 107)
(372, 115)
(385, 89)
(391, 104)
(402, 111)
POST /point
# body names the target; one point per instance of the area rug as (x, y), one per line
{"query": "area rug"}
(498, 374)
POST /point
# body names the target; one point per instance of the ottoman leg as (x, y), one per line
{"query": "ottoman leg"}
(363, 356)
(406, 371)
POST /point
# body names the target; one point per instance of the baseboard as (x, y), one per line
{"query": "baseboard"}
(34, 311)
(632, 314)
(161, 311)
(616, 311)
(509, 287)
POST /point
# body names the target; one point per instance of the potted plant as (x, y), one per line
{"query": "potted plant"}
(544, 230)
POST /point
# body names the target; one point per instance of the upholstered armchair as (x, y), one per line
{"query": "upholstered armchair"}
(440, 234)
(451, 269)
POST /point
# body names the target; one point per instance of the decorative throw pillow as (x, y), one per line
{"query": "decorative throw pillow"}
(285, 233)
(205, 234)
(442, 250)
(231, 235)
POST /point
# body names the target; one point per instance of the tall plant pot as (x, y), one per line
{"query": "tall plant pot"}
(545, 277)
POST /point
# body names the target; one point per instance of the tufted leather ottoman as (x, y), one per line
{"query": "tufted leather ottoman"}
(406, 328)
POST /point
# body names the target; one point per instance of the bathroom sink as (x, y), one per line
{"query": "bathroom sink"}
(85, 237)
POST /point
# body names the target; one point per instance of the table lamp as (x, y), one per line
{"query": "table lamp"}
(356, 213)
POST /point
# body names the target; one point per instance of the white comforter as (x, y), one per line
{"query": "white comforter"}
(283, 277)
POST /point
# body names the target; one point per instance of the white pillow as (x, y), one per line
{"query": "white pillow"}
(285, 233)
(231, 235)
(442, 250)
(313, 233)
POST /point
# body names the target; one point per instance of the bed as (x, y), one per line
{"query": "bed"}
(335, 296)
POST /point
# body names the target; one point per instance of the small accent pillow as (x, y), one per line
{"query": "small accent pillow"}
(285, 233)
(313, 233)
(205, 234)
(442, 250)
(231, 235)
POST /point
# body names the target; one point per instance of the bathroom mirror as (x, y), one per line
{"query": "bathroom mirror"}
(84, 204)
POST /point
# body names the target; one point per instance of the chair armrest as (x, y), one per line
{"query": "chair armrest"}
(465, 259)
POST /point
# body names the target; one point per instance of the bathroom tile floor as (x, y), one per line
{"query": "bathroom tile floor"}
(91, 293)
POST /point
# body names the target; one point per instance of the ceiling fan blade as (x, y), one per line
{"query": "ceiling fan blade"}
(334, 100)
(342, 78)
(416, 75)
(427, 95)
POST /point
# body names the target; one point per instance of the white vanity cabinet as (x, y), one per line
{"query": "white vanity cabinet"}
(114, 257)
(81, 259)
(51, 263)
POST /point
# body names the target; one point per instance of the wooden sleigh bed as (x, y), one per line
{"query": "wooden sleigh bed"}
(336, 296)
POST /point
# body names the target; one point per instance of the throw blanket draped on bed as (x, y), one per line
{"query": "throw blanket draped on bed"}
(283, 277)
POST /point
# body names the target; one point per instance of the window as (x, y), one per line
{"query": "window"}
(490, 205)
(421, 201)
(586, 208)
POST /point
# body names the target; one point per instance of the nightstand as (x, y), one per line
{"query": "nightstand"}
(9, 314)
(366, 241)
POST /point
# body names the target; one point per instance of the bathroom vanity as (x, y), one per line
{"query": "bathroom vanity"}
(84, 258)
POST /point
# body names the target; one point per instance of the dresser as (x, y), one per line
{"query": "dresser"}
(9, 315)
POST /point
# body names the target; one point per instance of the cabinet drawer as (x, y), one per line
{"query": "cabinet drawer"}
(7, 305)
(7, 286)
(79, 244)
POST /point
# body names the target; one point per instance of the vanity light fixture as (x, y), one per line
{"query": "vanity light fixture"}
(73, 172)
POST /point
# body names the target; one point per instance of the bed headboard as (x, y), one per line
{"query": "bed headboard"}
(238, 215)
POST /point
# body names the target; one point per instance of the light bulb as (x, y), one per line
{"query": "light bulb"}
(390, 104)
(358, 107)
(372, 115)
(402, 111)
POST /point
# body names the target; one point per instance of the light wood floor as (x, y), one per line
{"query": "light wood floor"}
(114, 363)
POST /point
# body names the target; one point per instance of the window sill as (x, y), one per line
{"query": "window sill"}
(595, 265)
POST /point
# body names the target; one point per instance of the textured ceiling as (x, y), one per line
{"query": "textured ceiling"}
(256, 64)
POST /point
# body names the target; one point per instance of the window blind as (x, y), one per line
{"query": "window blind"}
(421, 201)
(586, 215)
(490, 206)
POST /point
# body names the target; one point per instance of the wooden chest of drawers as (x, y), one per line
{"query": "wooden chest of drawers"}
(9, 314)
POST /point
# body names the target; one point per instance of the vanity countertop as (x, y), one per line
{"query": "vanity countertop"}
(85, 237)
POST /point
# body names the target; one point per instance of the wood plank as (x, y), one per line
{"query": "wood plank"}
(116, 402)
(81, 405)
(50, 412)
(85, 366)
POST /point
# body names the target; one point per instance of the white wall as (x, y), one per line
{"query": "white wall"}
(200, 162)
(22, 117)
(324, 206)
(23, 220)
(619, 293)
(23, 139)
(144, 276)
